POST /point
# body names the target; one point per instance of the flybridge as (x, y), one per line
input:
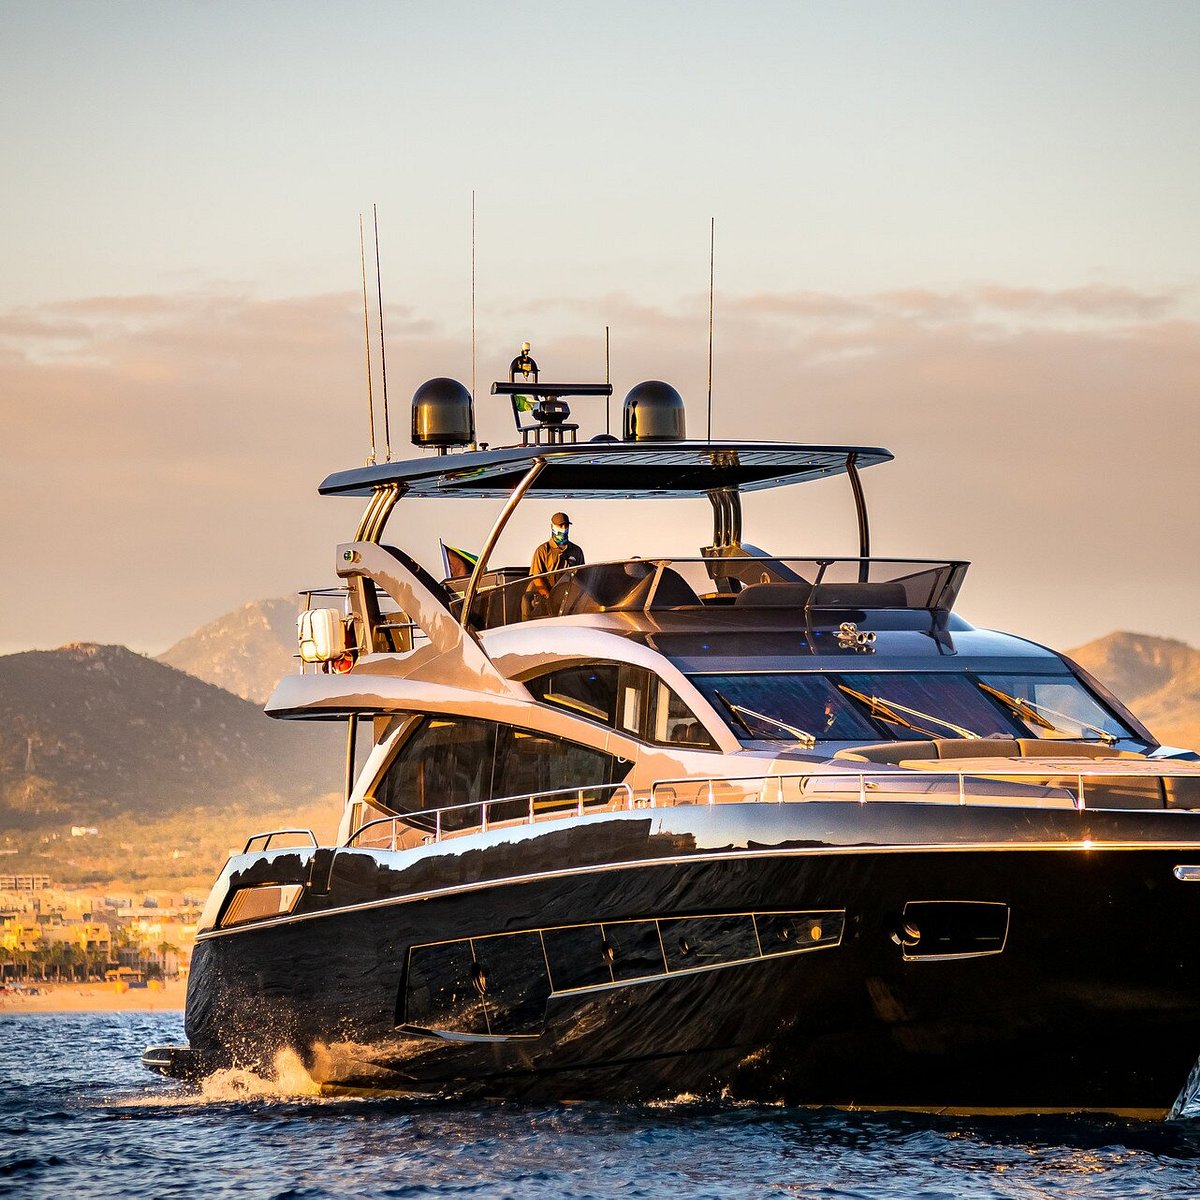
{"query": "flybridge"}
(609, 470)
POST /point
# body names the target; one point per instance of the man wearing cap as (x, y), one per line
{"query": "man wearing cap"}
(554, 555)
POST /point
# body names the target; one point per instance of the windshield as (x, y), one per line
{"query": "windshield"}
(874, 706)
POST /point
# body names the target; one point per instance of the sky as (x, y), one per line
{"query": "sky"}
(963, 231)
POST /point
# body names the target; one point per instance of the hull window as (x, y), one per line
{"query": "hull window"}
(497, 986)
(941, 929)
(707, 941)
(442, 992)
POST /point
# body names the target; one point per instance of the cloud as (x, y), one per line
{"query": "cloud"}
(161, 452)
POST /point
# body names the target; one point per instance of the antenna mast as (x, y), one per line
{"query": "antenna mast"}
(472, 295)
(387, 433)
(712, 242)
(362, 255)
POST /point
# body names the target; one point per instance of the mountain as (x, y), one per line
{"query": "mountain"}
(1158, 678)
(245, 652)
(169, 769)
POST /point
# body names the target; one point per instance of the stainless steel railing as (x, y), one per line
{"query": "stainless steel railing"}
(432, 825)
(1045, 788)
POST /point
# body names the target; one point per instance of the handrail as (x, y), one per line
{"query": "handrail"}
(417, 821)
(905, 781)
(434, 825)
(266, 838)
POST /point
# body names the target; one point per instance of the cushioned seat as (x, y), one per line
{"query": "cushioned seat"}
(774, 595)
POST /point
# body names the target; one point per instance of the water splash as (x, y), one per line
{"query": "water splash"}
(288, 1079)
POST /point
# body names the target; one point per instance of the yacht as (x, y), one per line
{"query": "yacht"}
(731, 824)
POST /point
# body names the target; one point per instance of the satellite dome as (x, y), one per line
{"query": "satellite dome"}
(442, 414)
(654, 413)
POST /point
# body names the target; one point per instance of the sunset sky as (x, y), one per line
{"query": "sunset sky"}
(964, 231)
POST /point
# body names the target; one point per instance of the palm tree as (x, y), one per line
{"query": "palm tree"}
(165, 948)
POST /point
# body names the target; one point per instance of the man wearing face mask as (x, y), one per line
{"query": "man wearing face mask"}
(554, 555)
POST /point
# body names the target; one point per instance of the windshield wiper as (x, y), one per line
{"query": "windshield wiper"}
(1029, 711)
(890, 710)
(740, 712)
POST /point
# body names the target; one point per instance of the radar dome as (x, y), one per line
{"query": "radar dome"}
(654, 413)
(442, 414)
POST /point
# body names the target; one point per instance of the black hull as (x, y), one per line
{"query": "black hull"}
(1087, 998)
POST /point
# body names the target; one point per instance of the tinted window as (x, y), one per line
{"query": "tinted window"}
(613, 693)
(1060, 701)
(754, 704)
(443, 989)
(446, 761)
(917, 705)
(529, 762)
(623, 697)
(675, 723)
(590, 691)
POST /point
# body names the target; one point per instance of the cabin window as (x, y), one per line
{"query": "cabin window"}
(460, 761)
(623, 697)
(904, 705)
(528, 762)
(1060, 702)
(675, 724)
(590, 691)
(444, 762)
(770, 706)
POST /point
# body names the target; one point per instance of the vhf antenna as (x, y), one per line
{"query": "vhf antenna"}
(712, 242)
(472, 295)
(387, 432)
(362, 255)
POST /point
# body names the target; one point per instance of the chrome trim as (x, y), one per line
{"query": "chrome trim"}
(906, 957)
(1187, 873)
(1087, 845)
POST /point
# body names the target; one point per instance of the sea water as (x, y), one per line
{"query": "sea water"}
(79, 1117)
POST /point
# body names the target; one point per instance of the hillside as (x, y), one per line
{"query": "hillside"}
(245, 652)
(169, 769)
(1158, 678)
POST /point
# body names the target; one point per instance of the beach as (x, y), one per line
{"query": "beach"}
(95, 997)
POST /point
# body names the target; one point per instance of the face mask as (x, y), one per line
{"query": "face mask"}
(559, 534)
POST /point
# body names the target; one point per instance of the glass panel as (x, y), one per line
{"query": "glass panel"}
(811, 703)
(441, 992)
(512, 969)
(675, 723)
(1061, 701)
(634, 949)
(692, 942)
(953, 928)
(576, 956)
(590, 691)
(528, 762)
(635, 692)
(447, 761)
(926, 700)
(785, 933)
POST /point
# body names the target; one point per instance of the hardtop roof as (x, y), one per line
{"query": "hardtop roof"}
(608, 470)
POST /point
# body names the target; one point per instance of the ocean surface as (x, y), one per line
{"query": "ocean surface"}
(80, 1118)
